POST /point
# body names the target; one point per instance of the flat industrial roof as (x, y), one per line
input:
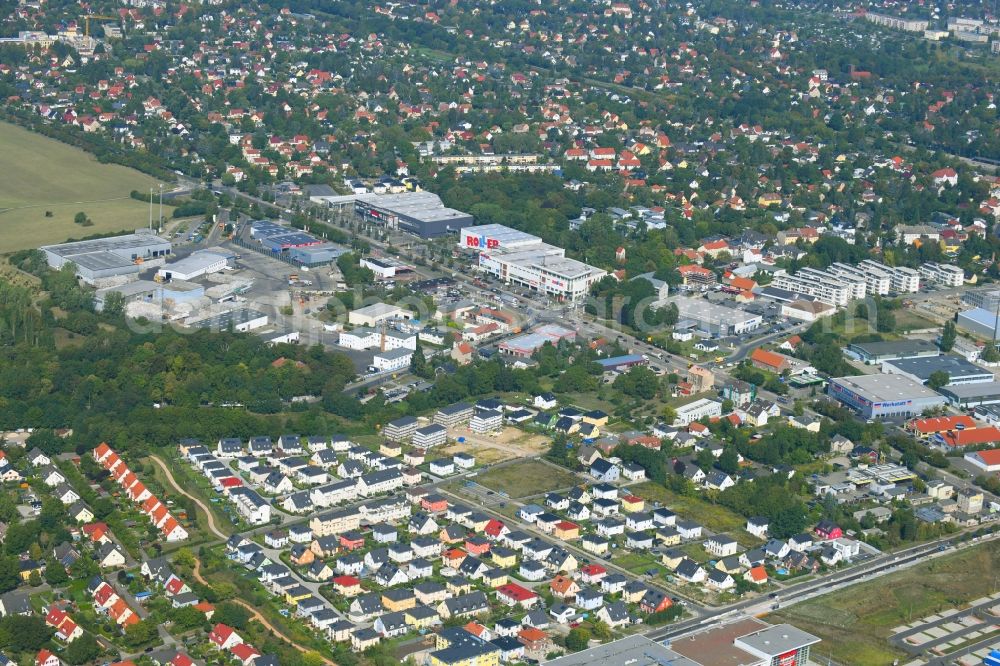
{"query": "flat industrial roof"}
(980, 316)
(715, 647)
(506, 235)
(422, 206)
(125, 241)
(200, 260)
(922, 367)
(99, 260)
(777, 640)
(885, 388)
(132, 288)
(894, 347)
(703, 310)
(546, 257)
(977, 390)
(634, 650)
(377, 309)
(234, 317)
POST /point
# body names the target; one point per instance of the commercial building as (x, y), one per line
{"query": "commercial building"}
(697, 410)
(374, 314)
(419, 213)
(633, 651)
(103, 259)
(519, 258)
(622, 363)
(979, 321)
(202, 262)
(526, 345)
(875, 353)
(967, 396)
(958, 369)
(242, 320)
(987, 299)
(277, 238)
(713, 319)
(884, 396)
(392, 359)
(140, 291)
(987, 460)
(808, 311)
(944, 275)
(780, 644)
(316, 255)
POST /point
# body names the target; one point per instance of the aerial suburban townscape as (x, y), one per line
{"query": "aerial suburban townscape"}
(469, 333)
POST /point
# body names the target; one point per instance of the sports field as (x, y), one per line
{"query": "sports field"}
(41, 174)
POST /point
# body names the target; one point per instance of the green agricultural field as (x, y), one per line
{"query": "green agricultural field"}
(855, 623)
(523, 479)
(41, 174)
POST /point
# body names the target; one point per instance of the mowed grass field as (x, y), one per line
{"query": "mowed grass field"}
(523, 479)
(41, 174)
(855, 623)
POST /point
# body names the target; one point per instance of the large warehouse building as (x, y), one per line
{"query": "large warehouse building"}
(874, 353)
(959, 370)
(967, 396)
(519, 258)
(197, 264)
(104, 259)
(420, 213)
(979, 321)
(713, 319)
(884, 396)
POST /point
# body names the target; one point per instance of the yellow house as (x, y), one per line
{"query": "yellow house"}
(951, 246)
(459, 586)
(671, 559)
(668, 536)
(391, 449)
(480, 525)
(29, 567)
(566, 530)
(495, 577)
(398, 599)
(631, 504)
(635, 595)
(503, 557)
(596, 418)
(768, 199)
(734, 569)
(490, 657)
(296, 594)
(598, 547)
(421, 620)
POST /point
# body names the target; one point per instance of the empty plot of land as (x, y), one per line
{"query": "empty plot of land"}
(523, 479)
(857, 622)
(44, 175)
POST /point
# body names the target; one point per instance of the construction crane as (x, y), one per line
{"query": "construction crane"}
(86, 21)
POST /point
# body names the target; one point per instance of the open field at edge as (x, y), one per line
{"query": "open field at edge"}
(42, 174)
(855, 623)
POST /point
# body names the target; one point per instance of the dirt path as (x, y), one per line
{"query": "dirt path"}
(207, 511)
(255, 614)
